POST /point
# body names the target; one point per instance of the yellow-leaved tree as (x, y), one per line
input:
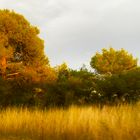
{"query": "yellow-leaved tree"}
(113, 61)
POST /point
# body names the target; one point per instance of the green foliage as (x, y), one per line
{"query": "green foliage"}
(124, 87)
(76, 87)
(72, 87)
(5, 92)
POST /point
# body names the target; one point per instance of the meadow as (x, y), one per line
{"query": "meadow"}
(74, 123)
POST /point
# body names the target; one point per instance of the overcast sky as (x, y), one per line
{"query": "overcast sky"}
(74, 30)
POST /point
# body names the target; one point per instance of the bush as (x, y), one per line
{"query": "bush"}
(124, 87)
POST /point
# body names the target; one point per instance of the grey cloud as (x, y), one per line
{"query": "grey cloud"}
(74, 30)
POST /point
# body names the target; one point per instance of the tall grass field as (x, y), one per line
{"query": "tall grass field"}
(74, 123)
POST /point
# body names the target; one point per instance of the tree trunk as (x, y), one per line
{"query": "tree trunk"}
(3, 66)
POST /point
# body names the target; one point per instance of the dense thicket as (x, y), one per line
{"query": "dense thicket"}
(72, 87)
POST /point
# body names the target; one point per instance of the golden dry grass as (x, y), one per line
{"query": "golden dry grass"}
(74, 123)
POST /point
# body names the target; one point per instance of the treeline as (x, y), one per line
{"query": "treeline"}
(27, 79)
(72, 87)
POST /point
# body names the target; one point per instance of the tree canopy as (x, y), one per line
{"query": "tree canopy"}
(17, 33)
(113, 61)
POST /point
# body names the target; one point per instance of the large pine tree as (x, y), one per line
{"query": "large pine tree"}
(19, 41)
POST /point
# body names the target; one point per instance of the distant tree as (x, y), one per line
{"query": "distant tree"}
(62, 72)
(17, 33)
(113, 61)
